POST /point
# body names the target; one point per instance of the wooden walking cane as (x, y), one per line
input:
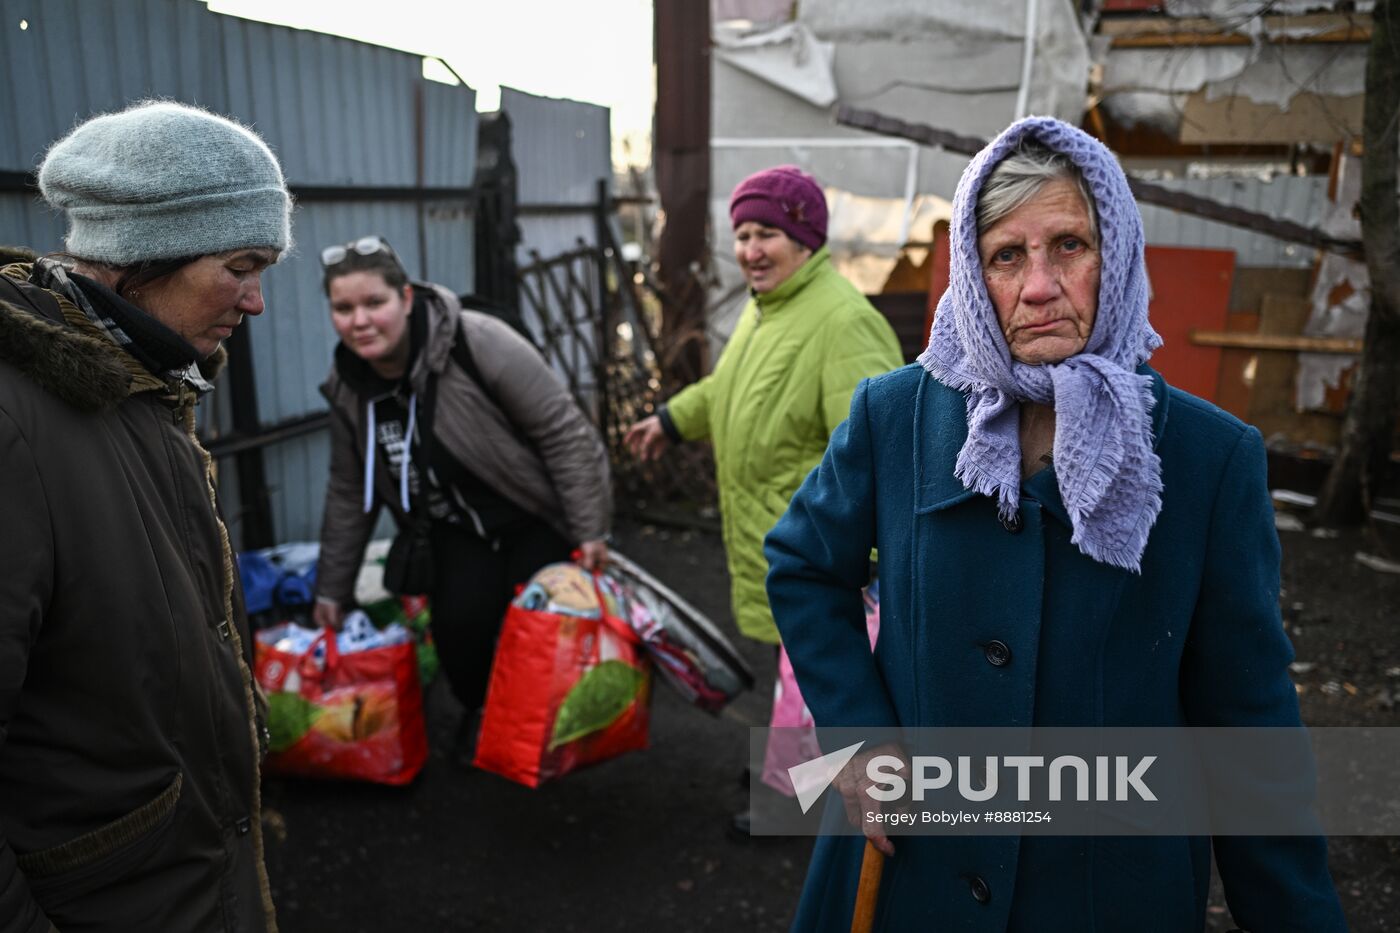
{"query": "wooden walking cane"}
(872, 866)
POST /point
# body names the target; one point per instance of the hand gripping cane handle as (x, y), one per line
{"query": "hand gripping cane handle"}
(872, 865)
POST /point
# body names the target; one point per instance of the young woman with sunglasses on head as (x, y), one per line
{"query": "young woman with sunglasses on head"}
(502, 472)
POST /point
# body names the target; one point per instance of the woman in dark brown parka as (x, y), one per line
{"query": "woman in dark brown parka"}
(130, 737)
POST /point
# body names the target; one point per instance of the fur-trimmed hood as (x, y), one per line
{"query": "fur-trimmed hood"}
(49, 340)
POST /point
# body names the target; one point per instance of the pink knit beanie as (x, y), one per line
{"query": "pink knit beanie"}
(784, 197)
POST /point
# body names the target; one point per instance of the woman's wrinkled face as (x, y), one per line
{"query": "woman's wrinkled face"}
(767, 255)
(204, 301)
(370, 315)
(1041, 267)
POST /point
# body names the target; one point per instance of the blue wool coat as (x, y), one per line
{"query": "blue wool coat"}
(1196, 639)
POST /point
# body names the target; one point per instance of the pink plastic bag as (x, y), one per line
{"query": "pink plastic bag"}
(792, 736)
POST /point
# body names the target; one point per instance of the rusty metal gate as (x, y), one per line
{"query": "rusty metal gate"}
(598, 330)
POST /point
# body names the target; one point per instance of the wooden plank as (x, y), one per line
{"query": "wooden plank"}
(1180, 40)
(1316, 118)
(1131, 6)
(1329, 26)
(1346, 35)
(1281, 342)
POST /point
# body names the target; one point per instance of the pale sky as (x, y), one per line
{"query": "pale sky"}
(597, 51)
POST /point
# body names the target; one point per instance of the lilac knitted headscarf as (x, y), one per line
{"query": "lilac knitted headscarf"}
(1109, 476)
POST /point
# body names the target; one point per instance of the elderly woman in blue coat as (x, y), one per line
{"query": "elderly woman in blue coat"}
(1064, 540)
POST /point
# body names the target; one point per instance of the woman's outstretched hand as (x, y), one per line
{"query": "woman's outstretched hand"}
(646, 439)
(593, 555)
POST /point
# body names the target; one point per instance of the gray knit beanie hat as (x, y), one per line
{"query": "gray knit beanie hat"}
(164, 180)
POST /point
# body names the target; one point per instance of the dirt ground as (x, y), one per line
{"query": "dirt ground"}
(641, 842)
(1344, 619)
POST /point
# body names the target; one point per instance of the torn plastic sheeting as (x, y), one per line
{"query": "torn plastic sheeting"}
(863, 233)
(1281, 72)
(1060, 74)
(754, 11)
(875, 224)
(1345, 318)
(842, 18)
(1172, 71)
(788, 57)
(946, 48)
(1329, 318)
(1263, 73)
(1146, 108)
(933, 62)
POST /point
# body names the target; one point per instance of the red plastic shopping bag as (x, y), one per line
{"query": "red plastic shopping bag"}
(569, 687)
(350, 715)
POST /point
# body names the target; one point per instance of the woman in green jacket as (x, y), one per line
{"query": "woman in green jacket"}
(785, 379)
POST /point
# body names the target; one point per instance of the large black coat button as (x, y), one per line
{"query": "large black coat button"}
(981, 891)
(1012, 524)
(998, 654)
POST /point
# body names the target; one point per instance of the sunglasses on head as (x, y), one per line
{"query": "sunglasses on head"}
(364, 246)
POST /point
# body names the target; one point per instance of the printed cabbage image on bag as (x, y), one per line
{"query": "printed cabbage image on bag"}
(597, 700)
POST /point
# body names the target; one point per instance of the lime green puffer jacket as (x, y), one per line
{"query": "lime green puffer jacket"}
(782, 385)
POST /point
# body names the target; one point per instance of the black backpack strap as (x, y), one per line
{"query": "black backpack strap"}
(462, 356)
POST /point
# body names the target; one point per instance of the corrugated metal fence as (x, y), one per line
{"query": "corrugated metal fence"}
(1302, 199)
(562, 151)
(367, 144)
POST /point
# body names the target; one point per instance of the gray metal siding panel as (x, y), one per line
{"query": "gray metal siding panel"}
(449, 151)
(337, 112)
(27, 221)
(297, 471)
(561, 148)
(551, 234)
(451, 245)
(1300, 199)
(128, 50)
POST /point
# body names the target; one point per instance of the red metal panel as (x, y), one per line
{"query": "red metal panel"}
(938, 274)
(1190, 291)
